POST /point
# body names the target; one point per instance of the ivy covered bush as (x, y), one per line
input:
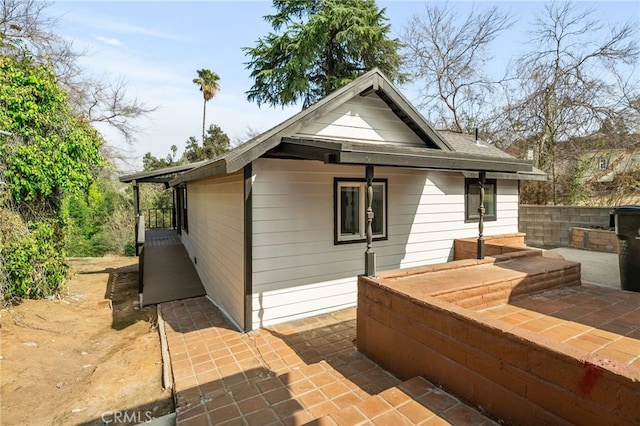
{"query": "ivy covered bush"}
(34, 264)
(50, 154)
(100, 220)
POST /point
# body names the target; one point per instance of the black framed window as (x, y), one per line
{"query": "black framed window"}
(350, 210)
(472, 200)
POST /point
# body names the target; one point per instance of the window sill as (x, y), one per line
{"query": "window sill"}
(360, 240)
(486, 219)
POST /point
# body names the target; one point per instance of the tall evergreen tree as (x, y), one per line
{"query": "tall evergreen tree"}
(216, 142)
(317, 47)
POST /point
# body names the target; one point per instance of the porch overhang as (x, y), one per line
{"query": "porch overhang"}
(164, 175)
(534, 175)
(353, 153)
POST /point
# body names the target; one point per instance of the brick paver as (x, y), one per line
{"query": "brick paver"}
(597, 320)
(306, 371)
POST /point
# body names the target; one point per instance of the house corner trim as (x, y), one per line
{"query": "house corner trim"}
(248, 248)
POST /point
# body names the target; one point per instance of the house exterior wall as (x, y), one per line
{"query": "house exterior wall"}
(215, 240)
(298, 271)
(616, 161)
(365, 119)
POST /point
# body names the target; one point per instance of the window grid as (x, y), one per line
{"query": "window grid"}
(350, 210)
(472, 200)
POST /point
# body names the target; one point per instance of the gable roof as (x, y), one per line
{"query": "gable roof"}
(282, 140)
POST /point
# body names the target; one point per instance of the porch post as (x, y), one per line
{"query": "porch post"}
(481, 181)
(136, 212)
(369, 255)
(173, 208)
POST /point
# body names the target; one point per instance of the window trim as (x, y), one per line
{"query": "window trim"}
(362, 183)
(487, 218)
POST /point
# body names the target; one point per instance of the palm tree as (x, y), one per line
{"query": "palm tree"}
(208, 82)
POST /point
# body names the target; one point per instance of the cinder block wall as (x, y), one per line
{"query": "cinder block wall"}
(550, 226)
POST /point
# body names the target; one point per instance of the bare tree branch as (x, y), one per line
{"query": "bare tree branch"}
(26, 30)
(575, 79)
(447, 55)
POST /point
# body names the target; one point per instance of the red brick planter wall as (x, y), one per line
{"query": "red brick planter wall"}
(515, 375)
(425, 321)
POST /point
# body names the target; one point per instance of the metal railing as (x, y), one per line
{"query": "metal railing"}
(158, 218)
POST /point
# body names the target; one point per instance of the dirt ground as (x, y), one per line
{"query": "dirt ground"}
(90, 357)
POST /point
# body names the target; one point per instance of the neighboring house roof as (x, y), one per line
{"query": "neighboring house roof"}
(434, 150)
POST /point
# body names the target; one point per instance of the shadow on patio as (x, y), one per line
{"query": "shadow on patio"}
(303, 371)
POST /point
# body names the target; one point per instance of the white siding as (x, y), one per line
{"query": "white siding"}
(216, 240)
(363, 119)
(297, 269)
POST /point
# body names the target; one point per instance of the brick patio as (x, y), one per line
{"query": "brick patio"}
(600, 321)
(306, 371)
(567, 355)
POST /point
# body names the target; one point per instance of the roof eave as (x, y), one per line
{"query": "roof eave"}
(529, 176)
(152, 175)
(339, 152)
(454, 162)
(218, 167)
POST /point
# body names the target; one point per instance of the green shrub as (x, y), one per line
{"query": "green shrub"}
(34, 263)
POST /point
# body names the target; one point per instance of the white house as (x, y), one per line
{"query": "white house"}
(276, 227)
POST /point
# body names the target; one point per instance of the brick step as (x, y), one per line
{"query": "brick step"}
(413, 402)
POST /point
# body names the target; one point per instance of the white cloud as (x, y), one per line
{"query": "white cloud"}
(116, 25)
(109, 41)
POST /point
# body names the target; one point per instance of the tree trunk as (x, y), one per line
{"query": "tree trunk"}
(204, 116)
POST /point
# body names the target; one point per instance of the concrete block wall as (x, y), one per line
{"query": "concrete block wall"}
(550, 226)
(515, 375)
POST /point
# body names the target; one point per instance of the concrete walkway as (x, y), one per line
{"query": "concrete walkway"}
(168, 273)
(598, 268)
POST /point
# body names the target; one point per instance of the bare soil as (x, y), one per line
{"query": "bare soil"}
(91, 356)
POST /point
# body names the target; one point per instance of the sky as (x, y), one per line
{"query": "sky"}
(155, 47)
